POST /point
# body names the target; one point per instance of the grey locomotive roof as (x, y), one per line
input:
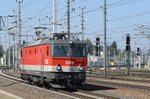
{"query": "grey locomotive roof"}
(48, 41)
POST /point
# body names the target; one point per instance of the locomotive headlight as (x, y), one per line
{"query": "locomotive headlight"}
(81, 68)
(58, 68)
(70, 42)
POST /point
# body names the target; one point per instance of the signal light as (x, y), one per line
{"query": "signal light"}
(138, 54)
(128, 48)
(128, 40)
(97, 41)
(138, 51)
(97, 45)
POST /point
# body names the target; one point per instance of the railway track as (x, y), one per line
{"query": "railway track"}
(119, 78)
(145, 74)
(70, 93)
(97, 95)
(117, 85)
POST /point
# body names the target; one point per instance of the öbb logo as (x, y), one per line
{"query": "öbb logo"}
(69, 62)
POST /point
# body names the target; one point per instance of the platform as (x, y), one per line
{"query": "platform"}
(6, 95)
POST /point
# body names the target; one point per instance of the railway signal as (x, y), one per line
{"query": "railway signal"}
(97, 46)
(138, 51)
(139, 58)
(128, 49)
(128, 40)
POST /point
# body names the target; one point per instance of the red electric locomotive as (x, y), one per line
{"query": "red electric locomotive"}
(54, 62)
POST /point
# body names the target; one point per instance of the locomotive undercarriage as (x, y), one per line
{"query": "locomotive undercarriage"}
(56, 79)
(69, 79)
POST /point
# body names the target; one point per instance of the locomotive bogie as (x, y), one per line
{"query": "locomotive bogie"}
(62, 79)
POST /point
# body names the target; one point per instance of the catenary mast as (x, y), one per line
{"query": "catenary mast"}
(105, 37)
(54, 23)
(18, 36)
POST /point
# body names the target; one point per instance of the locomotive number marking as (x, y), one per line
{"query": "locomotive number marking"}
(69, 62)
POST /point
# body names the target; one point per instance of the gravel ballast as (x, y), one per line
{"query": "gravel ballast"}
(33, 93)
(27, 91)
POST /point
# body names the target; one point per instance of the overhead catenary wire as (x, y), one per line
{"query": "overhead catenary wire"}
(121, 3)
(89, 11)
(42, 9)
(78, 3)
(91, 27)
(115, 3)
(95, 9)
(29, 3)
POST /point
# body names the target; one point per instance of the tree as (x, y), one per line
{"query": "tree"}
(11, 56)
(89, 46)
(23, 42)
(114, 45)
(1, 51)
(113, 49)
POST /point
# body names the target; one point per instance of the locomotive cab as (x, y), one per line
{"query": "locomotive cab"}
(70, 60)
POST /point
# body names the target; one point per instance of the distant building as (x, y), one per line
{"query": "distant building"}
(94, 61)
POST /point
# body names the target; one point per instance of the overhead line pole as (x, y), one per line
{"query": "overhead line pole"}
(13, 56)
(5, 49)
(18, 36)
(9, 49)
(54, 17)
(105, 37)
(82, 22)
(68, 18)
(8, 42)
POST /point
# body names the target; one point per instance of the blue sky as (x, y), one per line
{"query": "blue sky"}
(123, 16)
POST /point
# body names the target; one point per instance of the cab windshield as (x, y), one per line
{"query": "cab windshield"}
(78, 50)
(61, 50)
(67, 50)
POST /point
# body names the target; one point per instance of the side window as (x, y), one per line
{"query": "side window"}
(30, 51)
(40, 50)
(47, 50)
(35, 51)
(26, 52)
(21, 53)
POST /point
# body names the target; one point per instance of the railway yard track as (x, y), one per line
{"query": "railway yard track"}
(135, 82)
(71, 93)
(95, 88)
(117, 85)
